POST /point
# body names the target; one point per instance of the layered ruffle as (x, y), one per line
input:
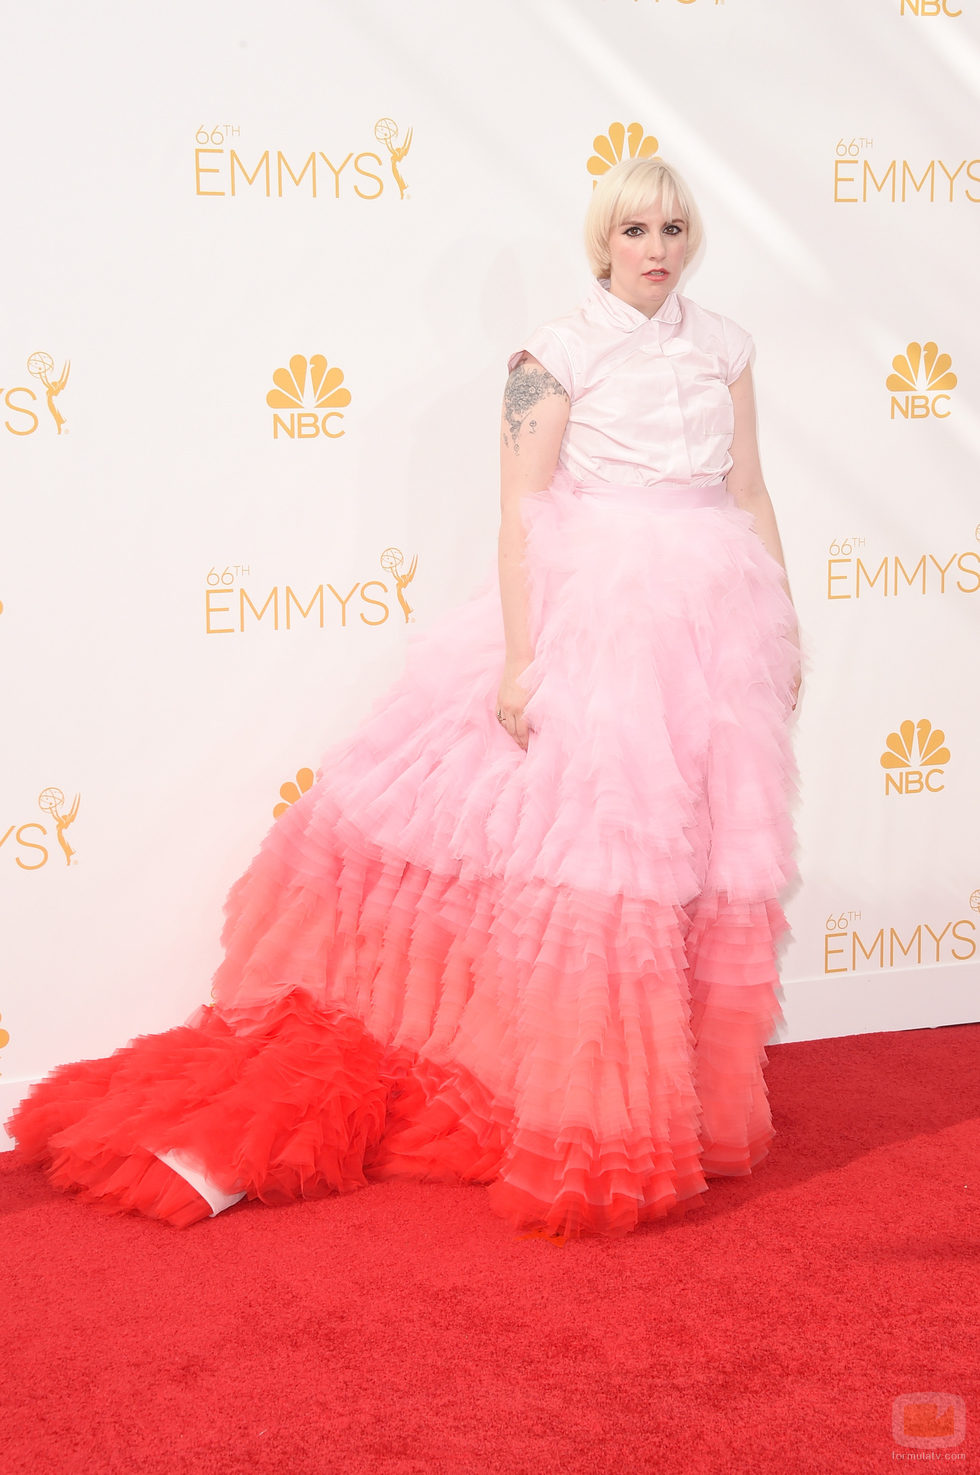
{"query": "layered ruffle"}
(287, 1111)
(551, 972)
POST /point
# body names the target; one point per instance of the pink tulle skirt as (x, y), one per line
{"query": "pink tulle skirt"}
(551, 971)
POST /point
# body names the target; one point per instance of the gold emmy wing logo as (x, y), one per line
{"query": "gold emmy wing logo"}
(975, 900)
(313, 394)
(621, 142)
(28, 839)
(51, 800)
(41, 365)
(922, 376)
(914, 757)
(291, 791)
(19, 398)
(386, 132)
(392, 561)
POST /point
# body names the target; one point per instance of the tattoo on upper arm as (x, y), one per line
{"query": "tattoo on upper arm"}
(526, 387)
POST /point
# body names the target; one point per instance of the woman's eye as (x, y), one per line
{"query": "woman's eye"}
(672, 229)
(633, 230)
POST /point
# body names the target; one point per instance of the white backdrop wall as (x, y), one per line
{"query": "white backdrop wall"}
(198, 590)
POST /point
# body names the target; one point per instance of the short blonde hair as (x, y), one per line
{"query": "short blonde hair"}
(629, 189)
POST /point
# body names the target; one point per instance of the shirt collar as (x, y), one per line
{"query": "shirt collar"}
(606, 307)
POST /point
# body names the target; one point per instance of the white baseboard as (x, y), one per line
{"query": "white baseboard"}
(870, 1003)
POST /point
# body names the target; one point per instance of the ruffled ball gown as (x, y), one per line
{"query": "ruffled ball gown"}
(551, 972)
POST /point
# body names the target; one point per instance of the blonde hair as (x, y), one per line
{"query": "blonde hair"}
(629, 189)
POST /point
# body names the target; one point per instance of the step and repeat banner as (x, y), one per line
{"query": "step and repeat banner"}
(262, 271)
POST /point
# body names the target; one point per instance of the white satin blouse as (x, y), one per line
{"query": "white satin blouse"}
(649, 396)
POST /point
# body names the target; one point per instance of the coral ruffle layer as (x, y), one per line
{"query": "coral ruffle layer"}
(591, 1093)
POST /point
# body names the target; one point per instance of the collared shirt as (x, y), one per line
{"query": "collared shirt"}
(649, 396)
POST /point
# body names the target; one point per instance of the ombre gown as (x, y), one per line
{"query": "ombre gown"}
(548, 972)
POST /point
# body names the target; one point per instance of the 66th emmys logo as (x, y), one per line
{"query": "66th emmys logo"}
(313, 394)
(854, 943)
(621, 141)
(920, 381)
(29, 839)
(855, 572)
(230, 609)
(221, 171)
(19, 399)
(914, 757)
(860, 177)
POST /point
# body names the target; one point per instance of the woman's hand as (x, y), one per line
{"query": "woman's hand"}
(511, 701)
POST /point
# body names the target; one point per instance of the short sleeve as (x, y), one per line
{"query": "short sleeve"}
(739, 347)
(546, 346)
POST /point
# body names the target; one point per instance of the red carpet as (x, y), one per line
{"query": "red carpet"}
(403, 1329)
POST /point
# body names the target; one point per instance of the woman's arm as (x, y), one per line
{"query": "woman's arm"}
(535, 414)
(746, 482)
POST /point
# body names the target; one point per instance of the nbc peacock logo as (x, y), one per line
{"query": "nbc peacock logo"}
(930, 8)
(620, 141)
(314, 397)
(293, 790)
(914, 758)
(920, 383)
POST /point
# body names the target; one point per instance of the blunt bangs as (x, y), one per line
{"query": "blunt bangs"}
(629, 190)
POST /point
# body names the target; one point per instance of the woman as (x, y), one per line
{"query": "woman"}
(522, 930)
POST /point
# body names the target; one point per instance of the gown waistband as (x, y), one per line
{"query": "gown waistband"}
(664, 496)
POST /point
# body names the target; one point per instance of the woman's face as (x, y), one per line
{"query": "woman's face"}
(646, 258)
